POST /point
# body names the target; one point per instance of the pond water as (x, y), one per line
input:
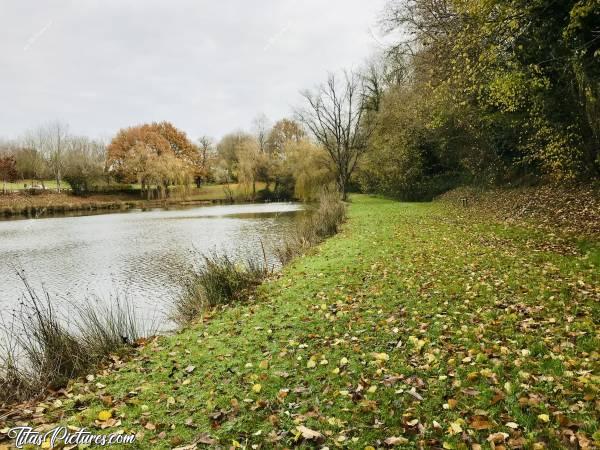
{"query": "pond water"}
(138, 255)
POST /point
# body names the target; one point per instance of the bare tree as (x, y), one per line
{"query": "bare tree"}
(57, 137)
(335, 117)
(84, 163)
(51, 142)
(32, 160)
(206, 146)
(261, 128)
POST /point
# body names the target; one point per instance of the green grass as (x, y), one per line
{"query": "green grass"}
(206, 192)
(217, 191)
(20, 185)
(490, 332)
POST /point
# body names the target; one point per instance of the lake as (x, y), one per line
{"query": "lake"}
(137, 254)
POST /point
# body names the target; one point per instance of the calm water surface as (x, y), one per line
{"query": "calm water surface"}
(137, 254)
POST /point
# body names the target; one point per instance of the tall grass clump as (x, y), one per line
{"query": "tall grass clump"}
(219, 281)
(110, 328)
(41, 351)
(323, 222)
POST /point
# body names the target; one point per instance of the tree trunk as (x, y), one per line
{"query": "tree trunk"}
(342, 183)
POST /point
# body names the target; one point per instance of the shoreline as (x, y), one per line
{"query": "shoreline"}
(55, 204)
(83, 208)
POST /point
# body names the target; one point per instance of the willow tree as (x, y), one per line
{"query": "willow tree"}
(156, 154)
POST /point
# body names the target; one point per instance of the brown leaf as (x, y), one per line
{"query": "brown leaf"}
(308, 434)
(498, 397)
(395, 440)
(202, 439)
(497, 438)
(480, 423)
(392, 380)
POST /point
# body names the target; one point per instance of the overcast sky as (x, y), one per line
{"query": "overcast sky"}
(208, 66)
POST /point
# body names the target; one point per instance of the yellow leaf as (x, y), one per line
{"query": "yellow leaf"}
(416, 342)
(544, 418)
(311, 363)
(257, 388)
(381, 356)
(455, 427)
(103, 416)
(264, 364)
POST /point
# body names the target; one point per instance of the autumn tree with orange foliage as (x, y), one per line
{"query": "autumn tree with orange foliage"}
(156, 155)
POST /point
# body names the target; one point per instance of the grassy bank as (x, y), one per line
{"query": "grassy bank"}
(411, 327)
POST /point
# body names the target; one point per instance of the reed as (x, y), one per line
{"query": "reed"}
(42, 351)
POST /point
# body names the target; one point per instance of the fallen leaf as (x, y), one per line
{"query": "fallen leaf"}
(455, 427)
(104, 415)
(480, 423)
(202, 439)
(381, 356)
(396, 440)
(497, 438)
(308, 434)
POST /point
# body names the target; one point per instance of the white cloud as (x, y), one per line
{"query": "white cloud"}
(209, 67)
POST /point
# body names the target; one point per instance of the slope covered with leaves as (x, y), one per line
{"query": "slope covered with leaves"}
(570, 209)
(411, 328)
